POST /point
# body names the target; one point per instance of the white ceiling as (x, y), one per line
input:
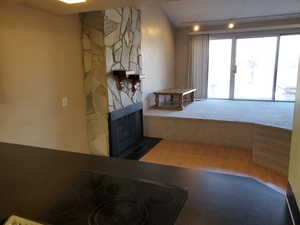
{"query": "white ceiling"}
(59, 8)
(186, 12)
(180, 12)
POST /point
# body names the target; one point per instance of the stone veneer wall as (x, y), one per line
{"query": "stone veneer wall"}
(95, 82)
(111, 40)
(122, 40)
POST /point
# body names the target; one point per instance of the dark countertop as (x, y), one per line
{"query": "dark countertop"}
(214, 199)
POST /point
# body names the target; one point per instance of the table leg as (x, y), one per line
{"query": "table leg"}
(156, 100)
(172, 99)
(193, 96)
(181, 100)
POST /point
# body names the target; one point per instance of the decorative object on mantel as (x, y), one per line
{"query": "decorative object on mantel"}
(178, 93)
(135, 80)
(122, 41)
(122, 75)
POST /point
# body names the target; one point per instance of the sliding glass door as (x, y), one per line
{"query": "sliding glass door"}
(219, 68)
(286, 82)
(254, 68)
(255, 65)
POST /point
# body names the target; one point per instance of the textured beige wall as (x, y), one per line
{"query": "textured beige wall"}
(40, 62)
(294, 168)
(181, 68)
(158, 51)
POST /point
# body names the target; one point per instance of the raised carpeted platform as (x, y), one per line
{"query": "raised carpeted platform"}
(274, 114)
(263, 127)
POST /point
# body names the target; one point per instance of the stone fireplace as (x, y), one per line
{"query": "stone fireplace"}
(111, 41)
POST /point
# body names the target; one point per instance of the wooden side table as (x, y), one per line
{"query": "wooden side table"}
(174, 93)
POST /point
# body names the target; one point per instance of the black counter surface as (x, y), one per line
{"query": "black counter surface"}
(31, 176)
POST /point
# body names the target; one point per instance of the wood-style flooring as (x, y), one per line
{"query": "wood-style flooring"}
(209, 157)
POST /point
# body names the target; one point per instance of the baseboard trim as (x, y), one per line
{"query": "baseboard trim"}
(293, 206)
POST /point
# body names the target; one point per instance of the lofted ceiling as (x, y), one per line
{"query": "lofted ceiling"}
(181, 12)
(187, 12)
(60, 8)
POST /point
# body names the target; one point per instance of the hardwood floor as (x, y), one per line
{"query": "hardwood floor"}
(202, 156)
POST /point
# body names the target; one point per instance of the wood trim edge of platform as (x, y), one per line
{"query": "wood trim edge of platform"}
(292, 205)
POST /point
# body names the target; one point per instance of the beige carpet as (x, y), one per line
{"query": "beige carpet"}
(275, 114)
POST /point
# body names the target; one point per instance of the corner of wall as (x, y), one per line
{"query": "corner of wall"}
(158, 50)
(95, 82)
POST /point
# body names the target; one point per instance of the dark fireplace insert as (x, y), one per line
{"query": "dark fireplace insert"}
(126, 133)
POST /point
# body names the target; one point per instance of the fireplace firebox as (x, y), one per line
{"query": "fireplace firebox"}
(126, 133)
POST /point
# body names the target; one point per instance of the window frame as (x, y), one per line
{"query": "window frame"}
(234, 37)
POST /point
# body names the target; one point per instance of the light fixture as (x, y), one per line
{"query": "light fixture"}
(231, 25)
(196, 28)
(73, 1)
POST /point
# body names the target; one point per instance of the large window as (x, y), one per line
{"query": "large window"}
(287, 67)
(219, 68)
(258, 68)
(255, 64)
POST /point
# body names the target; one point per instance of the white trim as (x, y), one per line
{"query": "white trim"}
(290, 210)
(275, 76)
(232, 68)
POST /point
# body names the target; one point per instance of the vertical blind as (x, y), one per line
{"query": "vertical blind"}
(198, 65)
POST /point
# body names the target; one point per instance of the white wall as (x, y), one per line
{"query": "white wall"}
(158, 51)
(40, 62)
(294, 168)
(181, 68)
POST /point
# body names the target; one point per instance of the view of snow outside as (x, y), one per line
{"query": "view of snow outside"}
(219, 68)
(288, 68)
(255, 61)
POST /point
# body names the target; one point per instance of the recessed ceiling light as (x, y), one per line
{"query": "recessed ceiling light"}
(231, 25)
(72, 1)
(196, 28)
